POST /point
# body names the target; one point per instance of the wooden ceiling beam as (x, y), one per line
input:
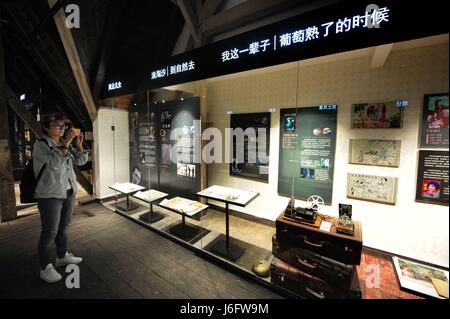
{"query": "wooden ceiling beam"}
(75, 62)
(247, 12)
(208, 9)
(50, 61)
(191, 18)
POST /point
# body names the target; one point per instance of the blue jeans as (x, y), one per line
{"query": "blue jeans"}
(56, 215)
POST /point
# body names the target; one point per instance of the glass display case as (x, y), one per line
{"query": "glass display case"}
(344, 139)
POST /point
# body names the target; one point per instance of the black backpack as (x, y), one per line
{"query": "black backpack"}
(29, 182)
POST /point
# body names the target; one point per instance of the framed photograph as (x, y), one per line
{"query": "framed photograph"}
(421, 279)
(432, 177)
(250, 154)
(434, 126)
(378, 189)
(377, 115)
(375, 152)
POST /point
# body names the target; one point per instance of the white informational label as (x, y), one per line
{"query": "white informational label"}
(325, 226)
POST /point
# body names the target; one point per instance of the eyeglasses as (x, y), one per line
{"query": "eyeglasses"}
(60, 127)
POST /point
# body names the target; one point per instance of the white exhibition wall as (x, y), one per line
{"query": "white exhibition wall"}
(112, 150)
(409, 228)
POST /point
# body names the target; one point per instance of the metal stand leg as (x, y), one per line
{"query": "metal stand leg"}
(225, 248)
(227, 222)
(185, 231)
(151, 216)
(128, 205)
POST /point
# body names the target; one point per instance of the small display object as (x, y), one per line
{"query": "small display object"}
(375, 152)
(421, 279)
(434, 127)
(150, 196)
(183, 205)
(305, 214)
(345, 223)
(127, 188)
(189, 208)
(232, 195)
(377, 115)
(378, 189)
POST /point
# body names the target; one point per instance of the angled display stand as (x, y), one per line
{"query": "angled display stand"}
(189, 208)
(228, 196)
(127, 189)
(151, 196)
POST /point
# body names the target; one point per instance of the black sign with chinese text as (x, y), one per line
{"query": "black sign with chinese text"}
(344, 26)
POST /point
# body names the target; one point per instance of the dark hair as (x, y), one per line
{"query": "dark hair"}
(47, 119)
(434, 183)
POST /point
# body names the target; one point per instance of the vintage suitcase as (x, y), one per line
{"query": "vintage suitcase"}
(340, 247)
(334, 272)
(307, 286)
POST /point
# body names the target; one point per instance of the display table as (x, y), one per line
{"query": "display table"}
(229, 196)
(184, 207)
(127, 189)
(150, 197)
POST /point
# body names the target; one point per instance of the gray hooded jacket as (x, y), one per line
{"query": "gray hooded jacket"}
(59, 170)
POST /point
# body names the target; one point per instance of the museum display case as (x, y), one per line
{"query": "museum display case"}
(295, 166)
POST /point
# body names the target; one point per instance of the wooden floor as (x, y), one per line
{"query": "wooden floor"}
(122, 260)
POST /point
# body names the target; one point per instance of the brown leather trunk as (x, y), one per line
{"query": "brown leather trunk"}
(333, 272)
(340, 247)
(307, 286)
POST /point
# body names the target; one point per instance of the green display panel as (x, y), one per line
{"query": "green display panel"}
(307, 148)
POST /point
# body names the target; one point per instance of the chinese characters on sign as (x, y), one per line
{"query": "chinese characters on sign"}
(114, 86)
(253, 48)
(173, 69)
(371, 19)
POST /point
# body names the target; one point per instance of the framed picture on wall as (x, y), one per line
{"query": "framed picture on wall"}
(377, 115)
(380, 189)
(432, 177)
(434, 126)
(421, 279)
(375, 152)
(251, 150)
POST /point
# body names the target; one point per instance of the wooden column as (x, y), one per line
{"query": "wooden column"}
(8, 210)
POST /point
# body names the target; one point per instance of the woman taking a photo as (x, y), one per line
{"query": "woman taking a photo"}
(56, 190)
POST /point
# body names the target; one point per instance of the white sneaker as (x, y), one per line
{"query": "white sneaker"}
(69, 259)
(50, 275)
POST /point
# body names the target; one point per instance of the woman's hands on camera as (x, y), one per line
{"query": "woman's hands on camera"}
(75, 135)
(71, 134)
(79, 141)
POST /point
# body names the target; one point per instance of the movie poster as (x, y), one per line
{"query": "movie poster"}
(432, 177)
(434, 128)
(377, 115)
